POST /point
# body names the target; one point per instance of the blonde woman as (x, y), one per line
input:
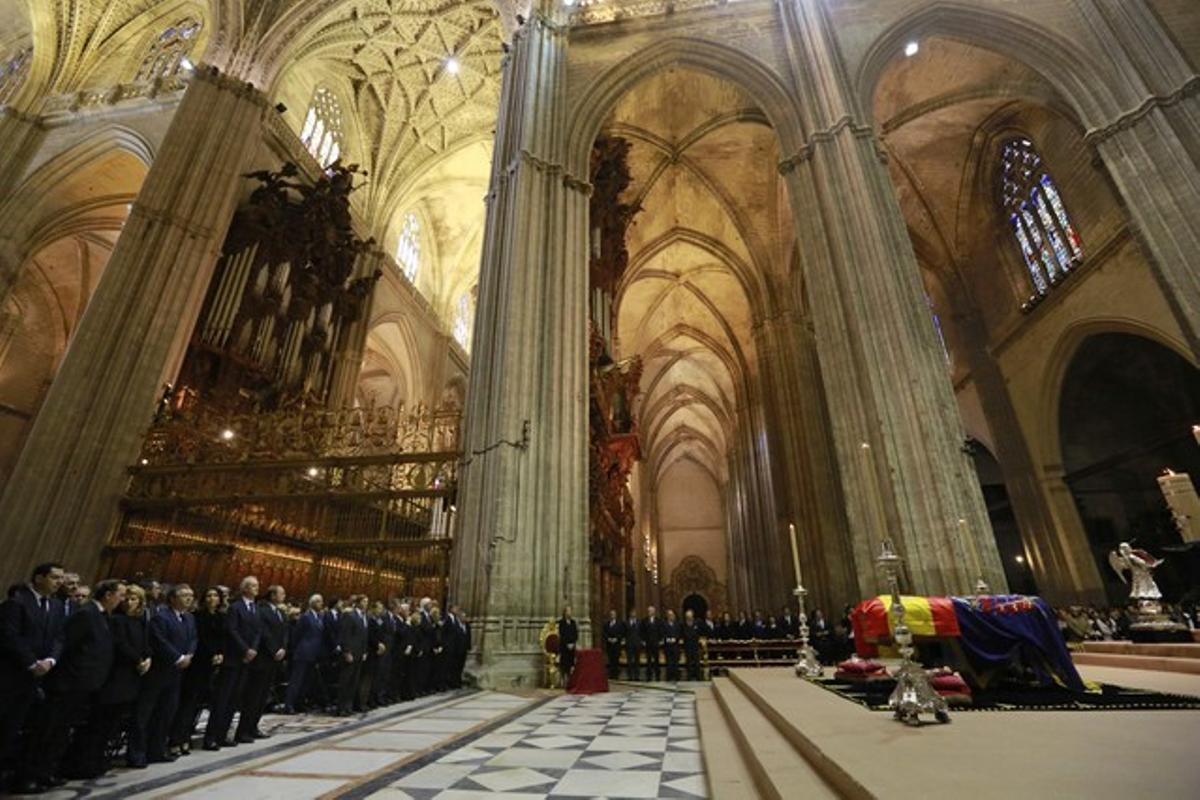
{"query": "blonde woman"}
(131, 660)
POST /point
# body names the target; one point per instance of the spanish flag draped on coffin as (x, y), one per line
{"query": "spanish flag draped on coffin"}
(992, 632)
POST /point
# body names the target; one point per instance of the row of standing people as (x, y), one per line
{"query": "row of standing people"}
(127, 665)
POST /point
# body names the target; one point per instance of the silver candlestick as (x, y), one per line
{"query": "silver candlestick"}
(807, 666)
(913, 694)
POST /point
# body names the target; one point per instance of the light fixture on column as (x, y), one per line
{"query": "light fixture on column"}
(452, 65)
(227, 434)
(313, 472)
(1020, 559)
(911, 49)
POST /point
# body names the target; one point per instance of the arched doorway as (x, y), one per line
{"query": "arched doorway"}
(1126, 409)
(696, 604)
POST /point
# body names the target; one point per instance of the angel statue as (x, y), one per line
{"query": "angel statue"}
(1139, 563)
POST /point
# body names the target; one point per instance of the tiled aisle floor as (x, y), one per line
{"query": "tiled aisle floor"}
(635, 744)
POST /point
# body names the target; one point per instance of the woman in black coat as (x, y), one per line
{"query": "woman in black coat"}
(195, 690)
(131, 660)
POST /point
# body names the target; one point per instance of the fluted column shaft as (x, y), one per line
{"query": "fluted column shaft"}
(885, 377)
(62, 497)
(1152, 146)
(1056, 545)
(523, 541)
(806, 487)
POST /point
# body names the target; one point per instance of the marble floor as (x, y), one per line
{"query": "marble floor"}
(637, 743)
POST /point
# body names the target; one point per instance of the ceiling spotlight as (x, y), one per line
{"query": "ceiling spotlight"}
(227, 434)
(452, 65)
(568, 3)
(911, 49)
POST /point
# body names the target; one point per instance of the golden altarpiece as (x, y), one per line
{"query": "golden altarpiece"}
(256, 463)
(614, 441)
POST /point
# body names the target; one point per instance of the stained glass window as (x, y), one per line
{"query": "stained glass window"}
(408, 252)
(1041, 227)
(462, 321)
(12, 73)
(322, 132)
(169, 51)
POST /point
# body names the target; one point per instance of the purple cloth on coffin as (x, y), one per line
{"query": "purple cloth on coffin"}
(997, 628)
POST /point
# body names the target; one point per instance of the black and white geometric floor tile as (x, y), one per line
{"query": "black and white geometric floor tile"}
(639, 744)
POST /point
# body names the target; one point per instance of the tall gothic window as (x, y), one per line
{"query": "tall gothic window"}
(1040, 224)
(322, 132)
(408, 252)
(169, 50)
(462, 321)
(12, 74)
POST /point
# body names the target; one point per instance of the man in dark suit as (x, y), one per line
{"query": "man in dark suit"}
(243, 638)
(614, 640)
(377, 651)
(87, 658)
(260, 673)
(633, 647)
(652, 634)
(426, 641)
(173, 643)
(307, 648)
(352, 643)
(330, 666)
(464, 647)
(402, 655)
(672, 639)
(31, 626)
(691, 633)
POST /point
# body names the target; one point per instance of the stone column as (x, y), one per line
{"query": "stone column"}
(1081, 581)
(62, 497)
(21, 136)
(806, 487)
(885, 378)
(1152, 146)
(523, 537)
(1059, 578)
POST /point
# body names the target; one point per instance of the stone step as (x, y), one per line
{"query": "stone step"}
(728, 773)
(1189, 666)
(1172, 650)
(776, 766)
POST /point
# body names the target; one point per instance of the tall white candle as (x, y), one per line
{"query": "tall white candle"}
(795, 553)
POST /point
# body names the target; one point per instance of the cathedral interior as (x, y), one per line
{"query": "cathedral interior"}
(533, 303)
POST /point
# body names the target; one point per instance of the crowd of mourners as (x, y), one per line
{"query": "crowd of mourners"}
(119, 672)
(649, 647)
(1100, 624)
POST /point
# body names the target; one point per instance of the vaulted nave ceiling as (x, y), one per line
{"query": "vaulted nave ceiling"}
(714, 233)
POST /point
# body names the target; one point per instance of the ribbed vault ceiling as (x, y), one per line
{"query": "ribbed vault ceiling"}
(701, 253)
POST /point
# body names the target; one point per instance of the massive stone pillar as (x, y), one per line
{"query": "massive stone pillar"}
(62, 497)
(523, 537)
(885, 377)
(1055, 544)
(1152, 147)
(353, 340)
(806, 487)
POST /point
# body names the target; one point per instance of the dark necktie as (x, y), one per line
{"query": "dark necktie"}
(45, 606)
